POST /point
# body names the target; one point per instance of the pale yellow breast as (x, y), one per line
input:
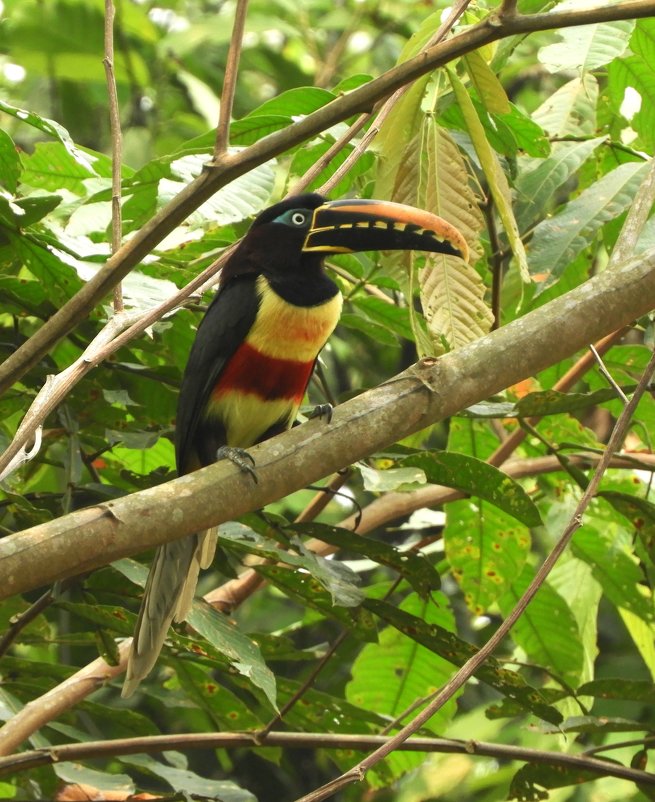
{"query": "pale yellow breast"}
(285, 331)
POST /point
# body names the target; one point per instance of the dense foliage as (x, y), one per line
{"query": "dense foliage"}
(535, 147)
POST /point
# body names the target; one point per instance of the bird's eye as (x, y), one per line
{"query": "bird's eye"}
(298, 219)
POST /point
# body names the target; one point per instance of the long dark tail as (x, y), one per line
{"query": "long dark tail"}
(168, 595)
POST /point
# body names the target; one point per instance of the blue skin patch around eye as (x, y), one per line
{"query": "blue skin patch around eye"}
(297, 218)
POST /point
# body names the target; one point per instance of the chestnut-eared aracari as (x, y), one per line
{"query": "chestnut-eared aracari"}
(253, 357)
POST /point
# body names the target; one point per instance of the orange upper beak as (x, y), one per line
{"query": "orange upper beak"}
(346, 226)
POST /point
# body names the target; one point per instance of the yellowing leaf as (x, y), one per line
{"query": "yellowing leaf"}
(494, 173)
(490, 90)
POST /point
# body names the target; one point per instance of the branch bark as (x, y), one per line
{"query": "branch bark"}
(427, 392)
(231, 166)
(309, 740)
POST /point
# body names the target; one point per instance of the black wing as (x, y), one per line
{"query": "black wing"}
(224, 327)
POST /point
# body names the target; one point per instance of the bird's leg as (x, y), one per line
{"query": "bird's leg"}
(239, 457)
(321, 411)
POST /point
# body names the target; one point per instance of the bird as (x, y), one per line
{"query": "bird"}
(253, 356)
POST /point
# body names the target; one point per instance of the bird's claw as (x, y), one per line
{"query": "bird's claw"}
(322, 411)
(239, 457)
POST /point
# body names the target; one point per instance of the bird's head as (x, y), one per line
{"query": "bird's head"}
(300, 231)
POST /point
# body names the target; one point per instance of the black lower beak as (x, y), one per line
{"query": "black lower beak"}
(346, 226)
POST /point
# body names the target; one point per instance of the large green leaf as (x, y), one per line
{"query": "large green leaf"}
(547, 631)
(571, 110)
(539, 179)
(486, 548)
(457, 651)
(615, 568)
(51, 128)
(52, 167)
(10, 162)
(477, 478)
(559, 239)
(310, 592)
(388, 677)
(639, 74)
(490, 90)
(587, 47)
(415, 568)
(187, 782)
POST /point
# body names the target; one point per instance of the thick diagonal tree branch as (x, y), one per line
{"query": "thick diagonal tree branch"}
(427, 392)
(231, 166)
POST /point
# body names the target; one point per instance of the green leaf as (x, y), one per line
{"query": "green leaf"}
(23, 212)
(382, 481)
(51, 128)
(643, 39)
(639, 511)
(523, 786)
(515, 131)
(224, 707)
(615, 569)
(389, 676)
(249, 129)
(78, 774)
(457, 651)
(547, 631)
(114, 618)
(639, 74)
(587, 47)
(477, 478)
(185, 782)
(241, 650)
(306, 157)
(309, 591)
(372, 330)
(10, 162)
(486, 549)
(336, 578)
(571, 110)
(620, 689)
(552, 402)
(394, 318)
(52, 167)
(539, 179)
(52, 272)
(414, 567)
(641, 633)
(559, 239)
(320, 711)
(294, 102)
(574, 582)
(489, 89)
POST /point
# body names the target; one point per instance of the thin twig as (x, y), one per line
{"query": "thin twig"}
(18, 623)
(472, 665)
(608, 376)
(116, 144)
(230, 80)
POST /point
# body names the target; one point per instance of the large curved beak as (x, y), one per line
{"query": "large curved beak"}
(346, 226)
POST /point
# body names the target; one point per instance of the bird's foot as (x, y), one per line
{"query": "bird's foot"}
(239, 457)
(322, 411)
